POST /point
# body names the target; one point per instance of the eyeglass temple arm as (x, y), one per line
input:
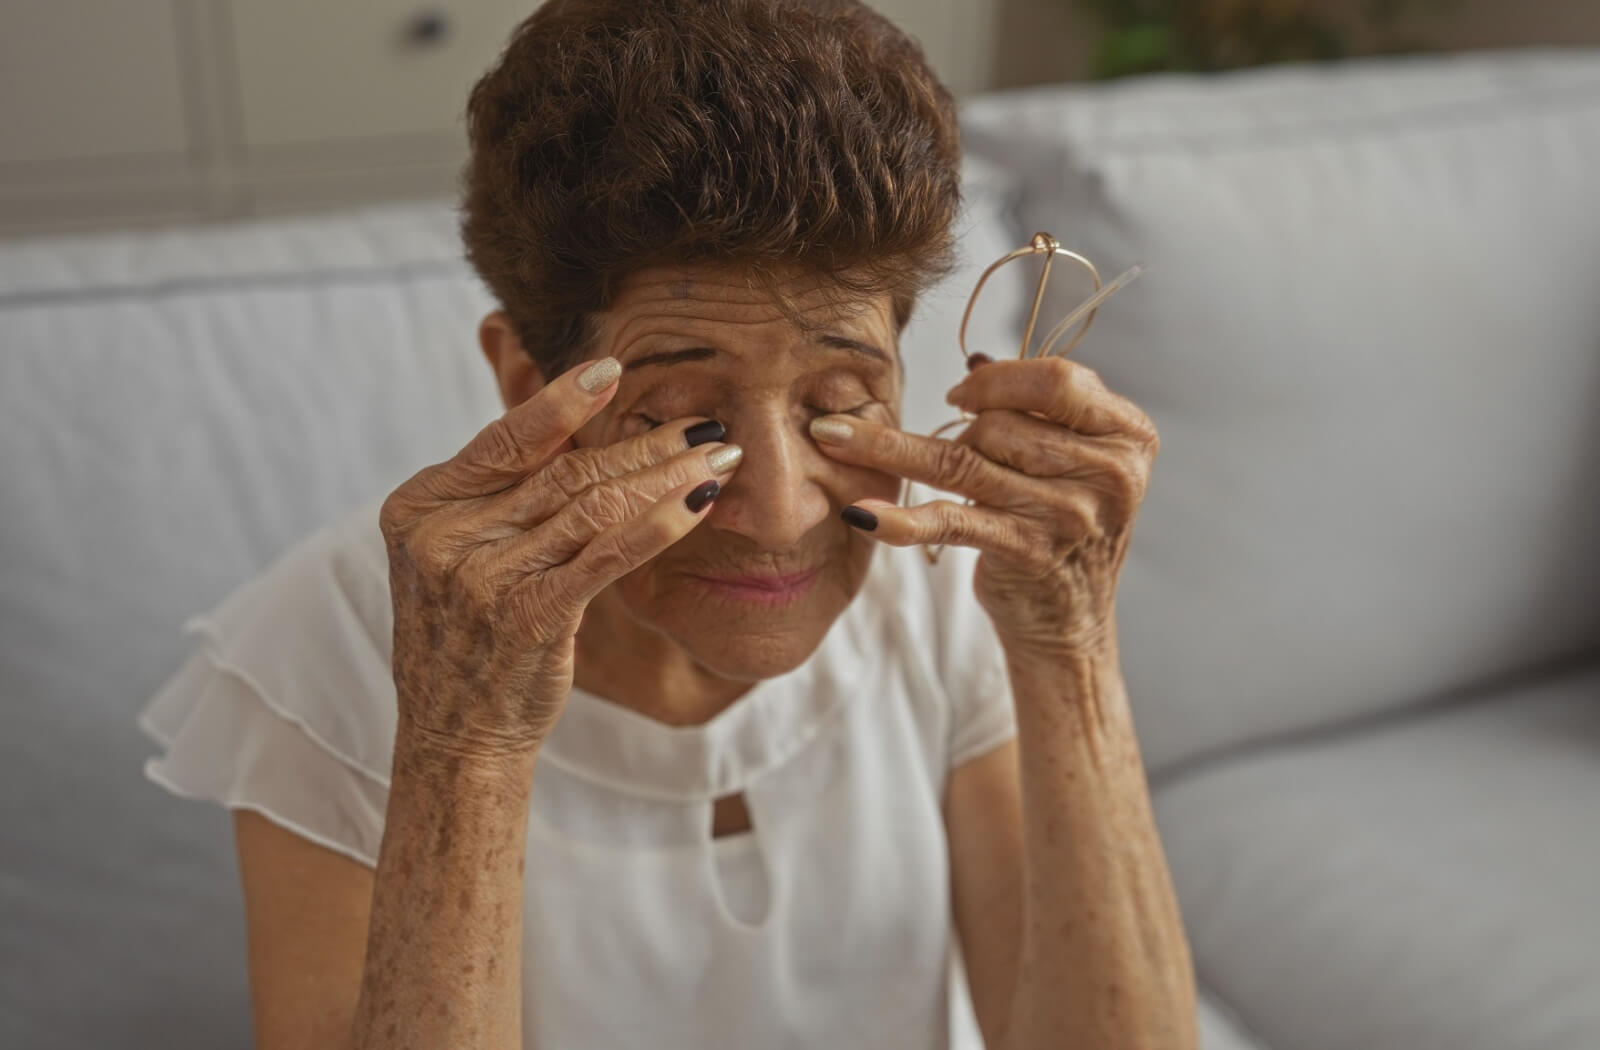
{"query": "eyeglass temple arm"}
(1085, 310)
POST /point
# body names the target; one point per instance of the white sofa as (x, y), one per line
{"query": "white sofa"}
(1360, 619)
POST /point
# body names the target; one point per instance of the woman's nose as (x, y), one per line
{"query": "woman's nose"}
(775, 497)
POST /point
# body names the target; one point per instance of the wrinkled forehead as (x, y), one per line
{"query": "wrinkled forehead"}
(707, 293)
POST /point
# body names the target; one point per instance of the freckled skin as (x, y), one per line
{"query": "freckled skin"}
(441, 844)
(424, 955)
(1103, 959)
(443, 963)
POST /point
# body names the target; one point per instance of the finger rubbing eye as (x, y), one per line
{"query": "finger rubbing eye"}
(857, 410)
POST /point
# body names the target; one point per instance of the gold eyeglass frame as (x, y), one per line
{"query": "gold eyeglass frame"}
(1081, 315)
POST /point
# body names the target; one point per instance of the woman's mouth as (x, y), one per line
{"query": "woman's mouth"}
(762, 590)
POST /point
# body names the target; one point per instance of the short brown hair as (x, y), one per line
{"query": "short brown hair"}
(614, 135)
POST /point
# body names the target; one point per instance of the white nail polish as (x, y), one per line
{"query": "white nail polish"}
(599, 375)
(724, 459)
(836, 431)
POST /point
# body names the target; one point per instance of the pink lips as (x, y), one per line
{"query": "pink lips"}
(767, 589)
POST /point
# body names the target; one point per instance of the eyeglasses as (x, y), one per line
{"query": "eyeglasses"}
(1061, 339)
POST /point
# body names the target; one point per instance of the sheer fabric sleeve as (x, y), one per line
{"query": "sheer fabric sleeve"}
(969, 660)
(287, 706)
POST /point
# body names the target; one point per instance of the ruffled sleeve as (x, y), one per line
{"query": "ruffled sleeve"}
(969, 661)
(287, 707)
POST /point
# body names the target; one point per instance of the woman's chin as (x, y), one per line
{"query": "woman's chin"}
(754, 640)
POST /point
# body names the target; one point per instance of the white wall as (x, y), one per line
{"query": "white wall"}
(957, 35)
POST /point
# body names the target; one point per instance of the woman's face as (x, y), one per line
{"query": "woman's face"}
(701, 341)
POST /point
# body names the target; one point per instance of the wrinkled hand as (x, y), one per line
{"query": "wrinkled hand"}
(1057, 466)
(495, 554)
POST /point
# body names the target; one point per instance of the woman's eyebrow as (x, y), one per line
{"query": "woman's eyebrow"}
(839, 342)
(671, 357)
(704, 353)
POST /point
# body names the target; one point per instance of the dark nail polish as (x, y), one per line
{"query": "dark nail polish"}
(702, 494)
(861, 519)
(974, 360)
(700, 433)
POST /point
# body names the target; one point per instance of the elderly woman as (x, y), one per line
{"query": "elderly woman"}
(642, 720)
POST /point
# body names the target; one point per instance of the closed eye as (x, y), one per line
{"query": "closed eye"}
(843, 411)
(651, 424)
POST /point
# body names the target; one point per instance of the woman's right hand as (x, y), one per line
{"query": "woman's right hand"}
(495, 553)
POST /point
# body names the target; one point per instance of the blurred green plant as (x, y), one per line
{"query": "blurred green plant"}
(1203, 36)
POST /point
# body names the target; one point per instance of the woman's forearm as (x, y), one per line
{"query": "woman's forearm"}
(1104, 960)
(444, 948)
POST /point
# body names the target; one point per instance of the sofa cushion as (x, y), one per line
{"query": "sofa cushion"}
(1370, 340)
(1427, 882)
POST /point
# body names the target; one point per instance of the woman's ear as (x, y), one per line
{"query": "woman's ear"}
(515, 372)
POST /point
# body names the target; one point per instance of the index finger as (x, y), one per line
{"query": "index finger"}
(946, 465)
(1061, 390)
(527, 435)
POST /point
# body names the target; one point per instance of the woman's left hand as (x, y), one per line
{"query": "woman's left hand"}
(1057, 466)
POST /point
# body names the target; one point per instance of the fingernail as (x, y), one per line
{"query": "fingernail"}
(599, 375)
(861, 519)
(974, 360)
(724, 459)
(702, 494)
(700, 433)
(835, 431)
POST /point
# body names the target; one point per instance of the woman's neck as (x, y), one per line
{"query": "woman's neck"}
(627, 663)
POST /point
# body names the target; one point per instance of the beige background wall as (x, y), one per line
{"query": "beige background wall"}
(117, 114)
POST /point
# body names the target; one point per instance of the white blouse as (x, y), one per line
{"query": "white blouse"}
(827, 925)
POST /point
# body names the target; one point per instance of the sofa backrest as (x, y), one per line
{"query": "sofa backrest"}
(1369, 336)
(177, 409)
